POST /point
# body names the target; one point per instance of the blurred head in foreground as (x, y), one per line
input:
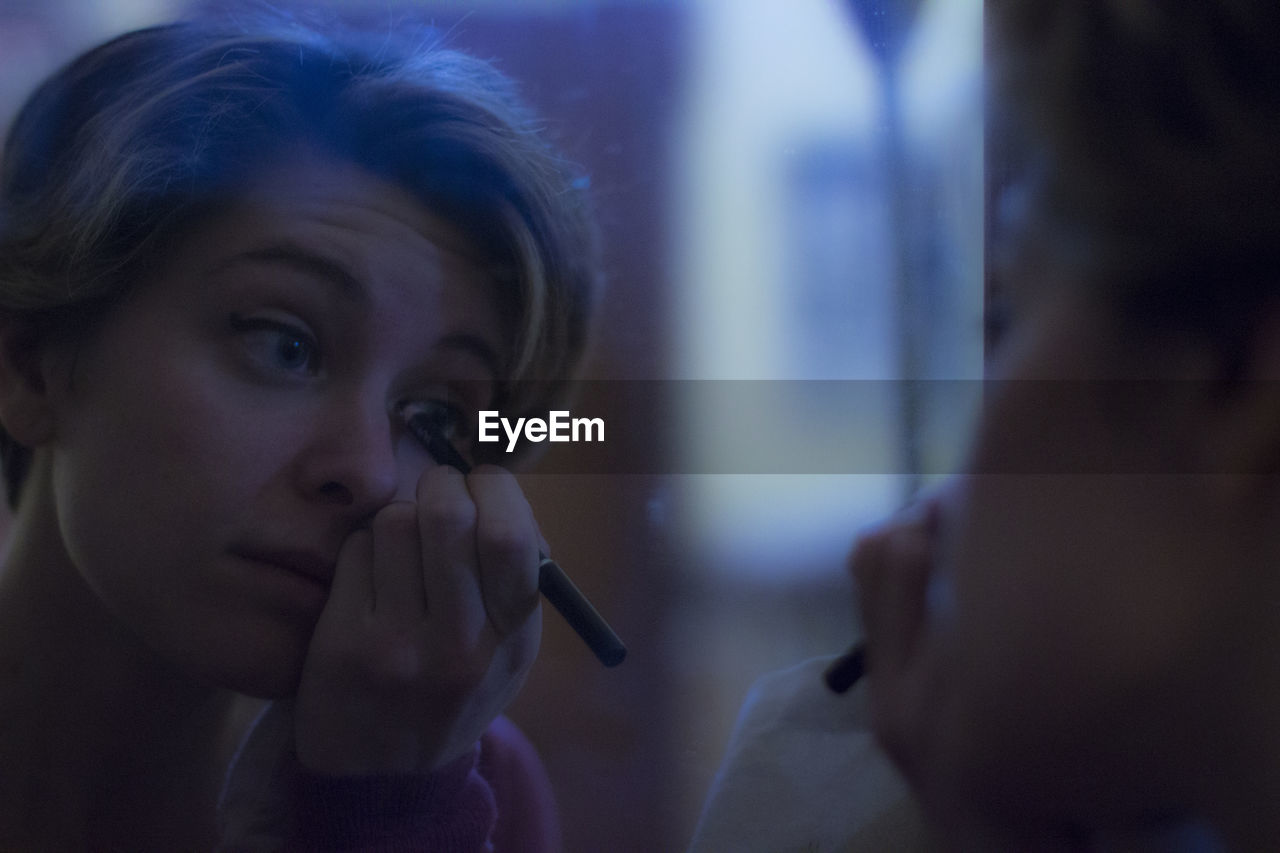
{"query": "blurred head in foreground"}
(1080, 638)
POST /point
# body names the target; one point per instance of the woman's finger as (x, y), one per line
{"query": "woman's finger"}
(507, 545)
(867, 565)
(891, 566)
(446, 524)
(352, 588)
(907, 558)
(399, 594)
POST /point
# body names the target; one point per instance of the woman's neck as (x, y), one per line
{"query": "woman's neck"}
(98, 733)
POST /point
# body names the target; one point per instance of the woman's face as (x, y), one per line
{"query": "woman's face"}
(1090, 585)
(234, 418)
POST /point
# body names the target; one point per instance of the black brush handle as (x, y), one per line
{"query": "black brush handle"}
(846, 670)
(553, 583)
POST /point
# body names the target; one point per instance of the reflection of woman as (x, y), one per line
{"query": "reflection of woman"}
(229, 261)
(1098, 656)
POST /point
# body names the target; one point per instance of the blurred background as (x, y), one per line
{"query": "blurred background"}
(791, 196)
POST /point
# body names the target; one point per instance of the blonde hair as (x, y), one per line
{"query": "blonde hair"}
(132, 142)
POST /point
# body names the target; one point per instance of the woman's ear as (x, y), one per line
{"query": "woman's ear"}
(25, 410)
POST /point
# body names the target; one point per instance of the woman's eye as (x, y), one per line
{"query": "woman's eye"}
(278, 345)
(445, 418)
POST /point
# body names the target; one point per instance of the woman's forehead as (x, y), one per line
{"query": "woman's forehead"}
(316, 187)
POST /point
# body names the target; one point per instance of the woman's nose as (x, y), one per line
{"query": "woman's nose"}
(351, 463)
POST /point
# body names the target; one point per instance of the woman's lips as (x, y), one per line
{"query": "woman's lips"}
(307, 564)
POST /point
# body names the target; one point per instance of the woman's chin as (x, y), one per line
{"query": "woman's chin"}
(262, 671)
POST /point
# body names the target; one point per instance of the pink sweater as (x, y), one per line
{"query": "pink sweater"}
(496, 799)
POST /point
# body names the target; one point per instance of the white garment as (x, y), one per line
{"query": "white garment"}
(803, 772)
(253, 794)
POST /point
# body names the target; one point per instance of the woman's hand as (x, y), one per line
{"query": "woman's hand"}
(430, 629)
(891, 565)
(906, 616)
(919, 702)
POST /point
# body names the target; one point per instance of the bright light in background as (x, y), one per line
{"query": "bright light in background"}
(942, 69)
(788, 266)
(764, 76)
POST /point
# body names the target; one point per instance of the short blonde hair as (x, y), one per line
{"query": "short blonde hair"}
(119, 151)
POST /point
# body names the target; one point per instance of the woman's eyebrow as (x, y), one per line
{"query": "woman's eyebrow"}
(350, 287)
(309, 262)
(473, 345)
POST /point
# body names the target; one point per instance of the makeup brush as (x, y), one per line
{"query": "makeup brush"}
(553, 583)
(846, 670)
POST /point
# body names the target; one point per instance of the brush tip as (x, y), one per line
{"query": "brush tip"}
(846, 670)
